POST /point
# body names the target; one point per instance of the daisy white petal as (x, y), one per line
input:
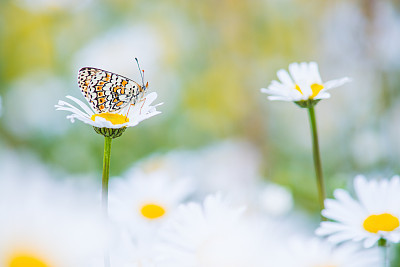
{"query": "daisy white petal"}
(324, 95)
(285, 78)
(273, 98)
(336, 83)
(315, 76)
(62, 105)
(315, 252)
(297, 72)
(81, 104)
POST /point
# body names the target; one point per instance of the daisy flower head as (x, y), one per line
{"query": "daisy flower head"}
(315, 253)
(129, 116)
(211, 234)
(302, 85)
(372, 217)
(45, 224)
(143, 201)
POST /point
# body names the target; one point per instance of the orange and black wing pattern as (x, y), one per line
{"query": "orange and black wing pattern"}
(107, 91)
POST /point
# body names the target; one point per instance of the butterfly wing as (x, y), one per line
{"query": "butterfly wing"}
(107, 91)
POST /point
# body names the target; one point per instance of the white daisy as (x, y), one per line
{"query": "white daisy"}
(210, 235)
(138, 205)
(127, 252)
(303, 83)
(129, 116)
(176, 165)
(46, 224)
(144, 200)
(373, 216)
(230, 167)
(318, 253)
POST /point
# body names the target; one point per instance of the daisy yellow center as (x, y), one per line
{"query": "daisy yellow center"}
(152, 211)
(26, 260)
(315, 88)
(111, 117)
(382, 222)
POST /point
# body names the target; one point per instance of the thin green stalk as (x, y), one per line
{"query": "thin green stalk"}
(104, 187)
(384, 245)
(386, 256)
(317, 159)
(106, 173)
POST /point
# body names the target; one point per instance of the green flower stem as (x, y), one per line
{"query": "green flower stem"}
(386, 256)
(104, 187)
(317, 158)
(385, 250)
(106, 173)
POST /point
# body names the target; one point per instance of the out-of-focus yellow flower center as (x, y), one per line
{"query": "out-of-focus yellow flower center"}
(26, 260)
(111, 117)
(315, 88)
(154, 165)
(152, 211)
(382, 222)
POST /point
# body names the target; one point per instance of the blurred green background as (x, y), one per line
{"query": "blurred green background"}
(207, 60)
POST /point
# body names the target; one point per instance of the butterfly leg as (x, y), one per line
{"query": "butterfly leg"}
(140, 112)
(126, 116)
(144, 101)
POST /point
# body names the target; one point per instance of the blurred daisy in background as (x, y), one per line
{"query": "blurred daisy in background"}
(46, 223)
(176, 164)
(274, 200)
(139, 203)
(303, 82)
(128, 116)
(214, 234)
(231, 167)
(126, 251)
(373, 216)
(316, 252)
(144, 200)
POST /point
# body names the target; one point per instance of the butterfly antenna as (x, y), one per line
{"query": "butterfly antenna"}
(141, 71)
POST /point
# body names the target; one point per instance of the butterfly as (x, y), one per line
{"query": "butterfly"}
(107, 91)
